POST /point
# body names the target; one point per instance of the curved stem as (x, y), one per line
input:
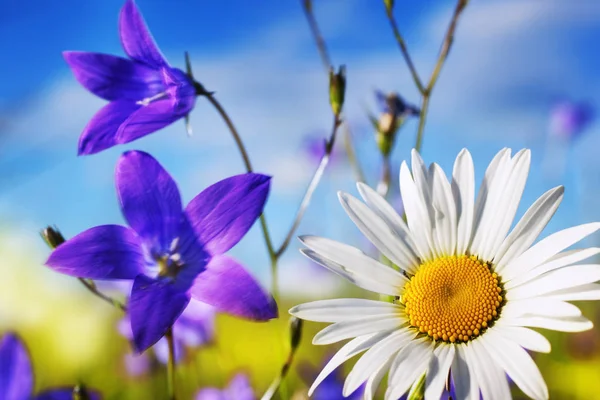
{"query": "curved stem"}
(311, 187)
(404, 50)
(91, 286)
(422, 117)
(171, 366)
(314, 28)
(383, 188)
(359, 175)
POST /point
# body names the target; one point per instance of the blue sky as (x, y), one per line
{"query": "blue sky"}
(511, 61)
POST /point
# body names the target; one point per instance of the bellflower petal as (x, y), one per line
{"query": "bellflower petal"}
(149, 199)
(193, 255)
(227, 286)
(101, 132)
(114, 78)
(102, 252)
(136, 38)
(239, 388)
(16, 376)
(154, 306)
(153, 117)
(223, 213)
(65, 394)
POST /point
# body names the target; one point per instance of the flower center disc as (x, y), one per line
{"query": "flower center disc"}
(453, 298)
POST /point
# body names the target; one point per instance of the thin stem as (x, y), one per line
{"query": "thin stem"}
(274, 386)
(351, 154)
(312, 186)
(171, 365)
(248, 165)
(91, 286)
(422, 117)
(404, 50)
(446, 45)
(383, 188)
(314, 28)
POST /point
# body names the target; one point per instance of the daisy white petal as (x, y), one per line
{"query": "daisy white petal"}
(437, 373)
(517, 364)
(465, 383)
(384, 210)
(463, 189)
(375, 379)
(563, 278)
(378, 232)
(445, 210)
(410, 363)
(358, 327)
(525, 337)
(591, 291)
(540, 307)
(349, 350)
(417, 214)
(558, 261)
(576, 324)
(529, 227)
(547, 248)
(490, 376)
(337, 310)
(376, 356)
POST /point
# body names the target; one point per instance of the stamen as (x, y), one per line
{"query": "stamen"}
(453, 298)
(148, 100)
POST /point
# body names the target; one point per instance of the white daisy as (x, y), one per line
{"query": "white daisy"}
(468, 290)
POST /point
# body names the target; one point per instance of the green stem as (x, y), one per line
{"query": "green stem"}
(91, 286)
(351, 154)
(422, 117)
(171, 366)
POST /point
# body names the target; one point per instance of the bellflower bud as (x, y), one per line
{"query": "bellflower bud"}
(389, 6)
(337, 89)
(417, 391)
(52, 237)
(295, 332)
(80, 393)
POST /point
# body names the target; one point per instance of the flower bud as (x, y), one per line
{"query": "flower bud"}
(295, 332)
(337, 89)
(80, 393)
(389, 6)
(52, 237)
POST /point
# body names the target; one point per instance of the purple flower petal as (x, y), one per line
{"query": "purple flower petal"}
(161, 349)
(154, 306)
(114, 78)
(65, 394)
(153, 117)
(102, 252)
(16, 376)
(149, 200)
(196, 325)
(227, 286)
(223, 213)
(210, 394)
(101, 132)
(137, 364)
(239, 388)
(136, 38)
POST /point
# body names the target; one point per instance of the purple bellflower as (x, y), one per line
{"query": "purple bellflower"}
(172, 254)
(393, 109)
(238, 389)
(144, 92)
(568, 119)
(16, 375)
(194, 327)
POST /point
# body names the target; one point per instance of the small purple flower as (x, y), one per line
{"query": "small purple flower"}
(238, 389)
(314, 148)
(145, 92)
(194, 327)
(16, 375)
(395, 105)
(171, 253)
(568, 119)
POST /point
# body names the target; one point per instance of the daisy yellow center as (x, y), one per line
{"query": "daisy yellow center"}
(453, 298)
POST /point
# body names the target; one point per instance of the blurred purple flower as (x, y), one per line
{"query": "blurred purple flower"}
(238, 389)
(395, 105)
(314, 148)
(16, 375)
(145, 92)
(568, 119)
(194, 327)
(171, 253)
